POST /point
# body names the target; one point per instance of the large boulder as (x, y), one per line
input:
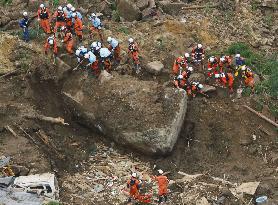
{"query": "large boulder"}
(128, 10)
(171, 8)
(155, 67)
(138, 114)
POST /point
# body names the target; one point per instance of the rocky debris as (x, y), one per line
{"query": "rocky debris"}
(116, 107)
(208, 88)
(246, 140)
(104, 76)
(7, 43)
(197, 77)
(155, 67)
(171, 8)
(202, 201)
(128, 10)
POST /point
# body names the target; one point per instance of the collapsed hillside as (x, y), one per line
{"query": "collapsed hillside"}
(219, 137)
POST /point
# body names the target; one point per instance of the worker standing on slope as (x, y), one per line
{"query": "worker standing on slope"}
(213, 65)
(68, 15)
(198, 54)
(92, 63)
(134, 185)
(43, 18)
(115, 49)
(162, 186)
(225, 78)
(179, 65)
(60, 18)
(96, 26)
(225, 63)
(133, 51)
(68, 40)
(24, 24)
(51, 43)
(78, 27)
(249, 79)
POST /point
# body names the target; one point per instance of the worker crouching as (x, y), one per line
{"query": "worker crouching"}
(93, 63)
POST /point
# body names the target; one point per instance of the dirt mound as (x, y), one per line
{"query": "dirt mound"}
(7, 44)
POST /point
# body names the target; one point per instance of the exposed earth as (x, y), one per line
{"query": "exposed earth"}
(219, 138)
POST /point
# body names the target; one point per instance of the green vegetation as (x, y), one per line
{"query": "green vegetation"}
(5, 2)
(53, 203)
(124, 30)
(267, 68)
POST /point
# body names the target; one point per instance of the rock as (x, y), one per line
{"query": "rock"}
(263, 189)
(114, 109)
(104, 76)
(202, 201)
(128, 10)
(154, 67)
(142, 4)
(208, 88)
(246, 188)
(171, 8)
(199, 77)
(274, 158)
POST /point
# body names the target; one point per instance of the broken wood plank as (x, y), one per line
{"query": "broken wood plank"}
(11, 131)
(261, 116)
(57, 120)
(200, 7)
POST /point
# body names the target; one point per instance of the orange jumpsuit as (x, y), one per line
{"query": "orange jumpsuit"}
(47, 46)
(68, 39)
(212, 67)
(249, 80)
(107, 65)
(228, 78)
(44, 15)
(78, 26)
(95, 68)
(134, 52)
(117, 52)
(227, 63)
(162, 184)
(181, 83)
(60, 20)
(179, 64)
(96, 30)
(133, 185)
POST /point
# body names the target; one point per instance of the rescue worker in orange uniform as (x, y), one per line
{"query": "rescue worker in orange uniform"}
(179, 65)
(43, 18)
(114, 47)
(68, 16)
(213, 64)
(198, 53)
(194, 88)
(162, 186)
(134, 185)
(78, 26)
(68, 40)
(92, 63)
(226, 78)
(60, 18)
(225, 63)
(133, 51)
(180, 81)
(249, 79)
(96, 26)
(51, 43)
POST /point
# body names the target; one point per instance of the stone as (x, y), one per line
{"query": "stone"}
(128, 10)
(202, 201)
(114, 109)
(199, 77)
(171, 8)
(208, 88)
(257, 79)
(104, 76)
(155, 67)
(142, 4)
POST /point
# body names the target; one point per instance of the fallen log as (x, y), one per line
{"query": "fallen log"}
(12, 72)
(201, 7)
(11, 131)
(57, 120)
(261, 116)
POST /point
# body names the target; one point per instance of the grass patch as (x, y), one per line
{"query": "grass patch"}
(124, 30)
(53, 203)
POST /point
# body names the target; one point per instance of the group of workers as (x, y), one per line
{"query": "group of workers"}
(134, 184)
(222, 69)
(65, 24)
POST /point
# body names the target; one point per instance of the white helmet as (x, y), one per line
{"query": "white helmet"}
(222, 75)
(42, 6)
(60, 8)
(130, 40)
(211, 59)
(199, 46)
(73, 9)
(180, 77)
(87, 55)
(217, 75)
(222, 59)
(160, 171)
(73, 15)
(77, 52)
(94, 45)
(200, 86)
(186, 55)
(109, 39)
(243, 67)
(99, 44)
(134, 175)
(69, 6)
(93, 15)
(238, 55)
(25, 13)
(51, 41)
(63, 28)
(190, 69)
